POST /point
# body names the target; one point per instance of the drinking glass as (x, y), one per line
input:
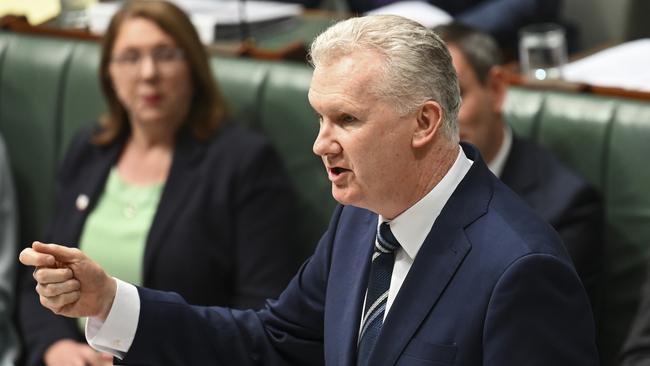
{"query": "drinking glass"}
(542, 51)
(74, 13)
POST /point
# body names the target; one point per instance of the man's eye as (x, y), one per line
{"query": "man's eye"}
(346, 118)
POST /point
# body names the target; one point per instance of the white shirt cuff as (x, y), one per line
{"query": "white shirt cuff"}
(116, 334)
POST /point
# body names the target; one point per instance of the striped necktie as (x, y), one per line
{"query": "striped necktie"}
(381, 270)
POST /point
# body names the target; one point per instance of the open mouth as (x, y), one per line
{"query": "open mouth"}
(337, 171)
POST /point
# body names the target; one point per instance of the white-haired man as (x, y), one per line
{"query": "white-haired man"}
(429, 259)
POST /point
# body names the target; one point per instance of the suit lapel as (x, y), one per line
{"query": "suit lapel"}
(347, 316)
(519, 172)
(91, 185)
(187, 156)
(436, 263)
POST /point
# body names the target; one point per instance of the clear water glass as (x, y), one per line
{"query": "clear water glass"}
(542, 51)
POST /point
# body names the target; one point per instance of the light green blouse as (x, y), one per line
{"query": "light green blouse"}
(115, 232)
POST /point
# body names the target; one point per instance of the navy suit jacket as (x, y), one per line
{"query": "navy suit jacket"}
(491, 285)
(221, 234)
(564, 200)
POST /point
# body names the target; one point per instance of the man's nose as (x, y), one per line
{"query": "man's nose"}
(325, 143)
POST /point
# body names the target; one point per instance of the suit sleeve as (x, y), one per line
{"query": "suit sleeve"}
(265, 246)
(523, 324)
(288, 331)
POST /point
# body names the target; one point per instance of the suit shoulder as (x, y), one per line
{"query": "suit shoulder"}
(79, 149)
(238, 139)
(511, 229)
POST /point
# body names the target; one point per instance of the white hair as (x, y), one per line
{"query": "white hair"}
(416, 64)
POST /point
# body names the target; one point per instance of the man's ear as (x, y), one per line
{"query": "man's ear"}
(498, 86)
(429, 121)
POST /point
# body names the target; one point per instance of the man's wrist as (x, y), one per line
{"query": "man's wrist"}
(115, 334)
(111, 290)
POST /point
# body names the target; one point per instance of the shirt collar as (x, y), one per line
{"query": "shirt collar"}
(412, 226)
(499, 161)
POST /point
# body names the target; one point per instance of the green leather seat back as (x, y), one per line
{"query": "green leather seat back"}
(521, 109)
(241, 82)
(576, 129)
(4, 39)
(289, 121)
(83, 101)
(32, 78)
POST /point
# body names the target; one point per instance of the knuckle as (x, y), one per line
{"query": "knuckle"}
(44, 301)
(46, 290)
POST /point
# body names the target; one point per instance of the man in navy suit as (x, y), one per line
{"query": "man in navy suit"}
(429, 259)
(558, 194)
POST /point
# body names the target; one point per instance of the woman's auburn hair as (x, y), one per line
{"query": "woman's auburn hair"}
(207, 108)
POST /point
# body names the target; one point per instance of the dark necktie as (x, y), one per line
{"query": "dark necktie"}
(381, 270)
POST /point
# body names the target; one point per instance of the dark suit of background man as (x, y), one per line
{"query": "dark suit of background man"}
(558, 194)
(636, 349)
(477, 279)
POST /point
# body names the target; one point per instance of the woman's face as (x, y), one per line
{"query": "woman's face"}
(150, 75)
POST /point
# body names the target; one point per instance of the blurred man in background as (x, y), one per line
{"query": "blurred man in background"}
(558, 194)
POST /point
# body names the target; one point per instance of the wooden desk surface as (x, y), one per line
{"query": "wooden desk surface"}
(288, 39)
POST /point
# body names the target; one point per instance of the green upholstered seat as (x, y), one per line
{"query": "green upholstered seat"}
(82, 100)
(241, 81)
(32, 77)
(292, 125)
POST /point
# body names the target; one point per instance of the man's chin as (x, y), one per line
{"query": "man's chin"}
(344, 196)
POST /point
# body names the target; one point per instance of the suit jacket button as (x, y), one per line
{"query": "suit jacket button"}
(82, 202)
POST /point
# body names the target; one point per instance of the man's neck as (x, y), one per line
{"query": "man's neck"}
(429, 173)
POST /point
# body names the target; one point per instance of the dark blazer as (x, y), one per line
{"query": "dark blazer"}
(491, 285)
(220, 236)
(563, 199)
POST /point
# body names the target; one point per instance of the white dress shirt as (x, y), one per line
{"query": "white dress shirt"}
(409, 228)
(412, 226)
(499, 161)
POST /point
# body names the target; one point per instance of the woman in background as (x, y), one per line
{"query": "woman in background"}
(165, 192)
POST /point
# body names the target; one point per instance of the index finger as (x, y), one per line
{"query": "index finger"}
(61, 253)
(30, 257)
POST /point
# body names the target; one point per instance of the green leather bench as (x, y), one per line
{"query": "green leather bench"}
(49, 88)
